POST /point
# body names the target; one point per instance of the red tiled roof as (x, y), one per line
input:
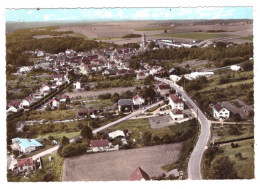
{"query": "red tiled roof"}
(175, 98)
(58, 76)
(136, 97)
(139, 174)
(15, 103)
(218, 107)
(99, 143)
(25, 162)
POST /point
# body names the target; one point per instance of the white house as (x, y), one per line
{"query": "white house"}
(176, 114)
(58, 77)
(54, 102)
(40, 53)
(115, 134)
(77, 85)
(176, 102)
(25, 145)
(175, 78)
(27, 101)
(219, 111)
(14, 106)
(195, 75)
(99, 145)
(235, 67)
(137, 100)
(58, 83)
(45, 87)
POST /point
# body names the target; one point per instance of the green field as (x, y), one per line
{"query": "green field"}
(250, 37)
(153, 29)
(52, 115)
(138, 127)
(245, 166)
(224, 134)
(194, 35)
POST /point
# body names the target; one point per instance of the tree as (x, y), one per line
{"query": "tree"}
(86, 132)
(223, 168)
(62, 106)
(147, 138)
(115, 97)
(65, 140)
(247, 65)
(233, 130)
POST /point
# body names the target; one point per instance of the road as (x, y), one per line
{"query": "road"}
(135, 113)
(49, 151)
(194, 165)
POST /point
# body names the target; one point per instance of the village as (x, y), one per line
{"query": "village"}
(86, 102)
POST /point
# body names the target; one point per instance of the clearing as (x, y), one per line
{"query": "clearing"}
(118, 165)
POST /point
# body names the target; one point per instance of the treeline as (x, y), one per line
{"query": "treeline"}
(131, 35)
(221, 55)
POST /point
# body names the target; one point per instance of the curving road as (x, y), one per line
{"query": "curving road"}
(194, 165)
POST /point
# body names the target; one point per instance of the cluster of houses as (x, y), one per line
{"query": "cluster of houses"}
(45, 89)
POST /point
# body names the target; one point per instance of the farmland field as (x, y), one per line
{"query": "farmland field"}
(98, 167)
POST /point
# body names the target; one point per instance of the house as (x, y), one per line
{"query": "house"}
(45, 87)
(115, 134)
(25, 145)
(137, 100)
(99, 145)
(77, 85)
(40, 53)
(140, 76)
(64, 98)
(219, 111)
(195, 75)
(14, 106)
(54, 102)
(235, 67)
(176, 114)
(175, 78)
(27, 101)
(125, 105)
(59, 83)
(176, 102)
(139, 175)
(84, 113)
(26, 165)
(163, 89)
(58, 77)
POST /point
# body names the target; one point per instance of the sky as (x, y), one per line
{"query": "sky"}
(99, 14)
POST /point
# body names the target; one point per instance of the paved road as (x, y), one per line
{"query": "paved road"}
(135, 113)
(49, 151)
(194, 165)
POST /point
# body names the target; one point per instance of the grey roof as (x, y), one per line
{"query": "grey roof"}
(125, 102)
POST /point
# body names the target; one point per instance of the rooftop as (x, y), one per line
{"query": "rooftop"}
(138, 175)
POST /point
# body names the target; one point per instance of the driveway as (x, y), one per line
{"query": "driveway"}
(118, 165)
(49, 151)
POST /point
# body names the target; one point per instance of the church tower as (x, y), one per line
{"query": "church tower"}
(144, 41)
